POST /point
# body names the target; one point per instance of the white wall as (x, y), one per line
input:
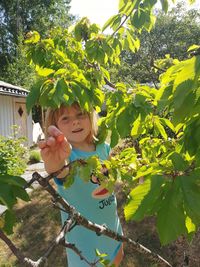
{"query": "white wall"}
(6, 115)
(30, 129)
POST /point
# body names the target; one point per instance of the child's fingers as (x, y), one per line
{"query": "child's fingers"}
(66, 146)
(51, 141)
(60, 138)
(42, 144)
(44, 152)
(54, 131)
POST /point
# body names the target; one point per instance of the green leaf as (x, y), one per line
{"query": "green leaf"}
(102, 133)
(144, 198)
(6, 195)
(136, 129)
(20, 193)
(191, 195)
(69, 180)
(164, 4)
(126, 115)
(105, 73)
(159, 127)
(44, 72)
(9, 222)
(60, 92)
(183, 107)
(114, 137)
(193, 47)
(122, 3)
(93, 162)
(99, 254)
(85, 173)
(60, 72)
(182, 92)
(171, 217)
(11, 189)
(190, 225)
(133, 44)
(116, 22)
(32, 37)
(125, 6)
(179, 163)
(109, 22)
(168, 123)
(33, 96)
(139, 18)
(163, 97)
(12, 180)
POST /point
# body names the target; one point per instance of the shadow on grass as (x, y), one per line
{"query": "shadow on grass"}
(38, 223)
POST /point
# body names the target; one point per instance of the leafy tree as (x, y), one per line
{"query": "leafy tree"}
(16, 19)
(72, 64)
(147, 112)
(171, 35)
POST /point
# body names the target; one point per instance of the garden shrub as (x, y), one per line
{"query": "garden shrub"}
(13, 155)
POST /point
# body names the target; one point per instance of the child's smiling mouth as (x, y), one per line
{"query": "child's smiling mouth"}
(77, 130)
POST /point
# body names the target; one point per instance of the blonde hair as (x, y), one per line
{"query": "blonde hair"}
(52, 116)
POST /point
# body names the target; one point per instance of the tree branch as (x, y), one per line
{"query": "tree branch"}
(99, 229)
(109, 83)
(22, 259)
(74, 219)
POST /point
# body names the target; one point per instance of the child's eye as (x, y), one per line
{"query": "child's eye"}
(82, 115)
(65, 119)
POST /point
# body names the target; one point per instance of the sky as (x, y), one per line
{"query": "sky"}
(98, 11)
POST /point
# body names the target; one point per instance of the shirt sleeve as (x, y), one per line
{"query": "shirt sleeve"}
(58, 181)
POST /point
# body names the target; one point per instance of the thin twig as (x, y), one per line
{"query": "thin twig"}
(79, 253)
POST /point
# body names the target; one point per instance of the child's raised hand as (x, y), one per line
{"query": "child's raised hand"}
(54, 150)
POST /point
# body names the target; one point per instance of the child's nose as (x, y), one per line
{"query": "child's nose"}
(76, 120)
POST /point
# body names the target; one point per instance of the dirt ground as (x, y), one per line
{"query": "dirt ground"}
(38, 223)
(180, 253)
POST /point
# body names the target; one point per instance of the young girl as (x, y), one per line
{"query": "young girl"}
(71, 136)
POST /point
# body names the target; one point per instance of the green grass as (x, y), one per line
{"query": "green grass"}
(34, 156)
(37, 225)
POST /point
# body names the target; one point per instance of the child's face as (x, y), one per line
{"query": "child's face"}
(75, 125)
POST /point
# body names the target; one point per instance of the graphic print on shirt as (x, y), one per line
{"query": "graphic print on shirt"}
(100, 192)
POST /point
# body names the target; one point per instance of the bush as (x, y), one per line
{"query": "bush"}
(34, 157)
(13, 155)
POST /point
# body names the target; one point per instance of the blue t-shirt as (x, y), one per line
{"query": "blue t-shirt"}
(94, 203)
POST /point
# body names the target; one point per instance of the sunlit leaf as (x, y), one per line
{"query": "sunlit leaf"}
(171, 217)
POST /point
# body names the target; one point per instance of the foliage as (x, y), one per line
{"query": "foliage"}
(16, 19)
(13, 155)
(34, 156)
(13, 158)
(171, 35)
(72, 64)
(19, 72)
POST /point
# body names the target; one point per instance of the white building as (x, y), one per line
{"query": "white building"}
(13, 112)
